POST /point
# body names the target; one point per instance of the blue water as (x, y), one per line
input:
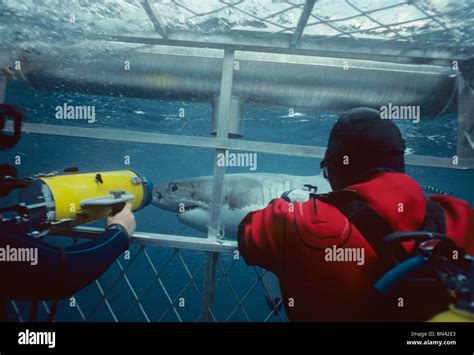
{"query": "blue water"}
(160, 163)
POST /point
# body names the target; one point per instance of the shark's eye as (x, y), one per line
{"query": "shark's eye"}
(174, 187)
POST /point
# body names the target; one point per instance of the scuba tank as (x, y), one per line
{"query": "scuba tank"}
(452, 265)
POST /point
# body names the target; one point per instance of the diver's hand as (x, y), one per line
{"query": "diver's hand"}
(125, 218)
(296, 195)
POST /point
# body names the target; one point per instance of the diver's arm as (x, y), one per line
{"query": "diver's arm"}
(84, 263)
(460, 220)
(59, 272)
(261, 236)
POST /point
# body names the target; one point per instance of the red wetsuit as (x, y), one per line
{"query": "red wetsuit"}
(291, 241)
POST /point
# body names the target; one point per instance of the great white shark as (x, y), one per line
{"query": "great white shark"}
(191, 198)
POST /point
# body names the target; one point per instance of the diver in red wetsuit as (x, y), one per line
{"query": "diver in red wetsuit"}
(328, 252)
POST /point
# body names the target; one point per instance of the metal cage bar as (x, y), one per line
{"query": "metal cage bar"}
(221, 143)
(3, 88)
(465, 143)
(161, 240)
(154, 18)
(308, 8)
(214, 233)
(318, 46)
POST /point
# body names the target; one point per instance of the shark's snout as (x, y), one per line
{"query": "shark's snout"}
(161, 200)
(157, 196)
(184, 199)
(175, 197)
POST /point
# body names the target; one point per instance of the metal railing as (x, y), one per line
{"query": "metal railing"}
(161, 279)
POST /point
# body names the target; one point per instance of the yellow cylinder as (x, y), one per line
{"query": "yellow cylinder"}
(69, 190)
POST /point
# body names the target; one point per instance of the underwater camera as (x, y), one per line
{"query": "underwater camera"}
(54, 201)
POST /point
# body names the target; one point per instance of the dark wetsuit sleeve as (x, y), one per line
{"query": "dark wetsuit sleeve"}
(60, 272)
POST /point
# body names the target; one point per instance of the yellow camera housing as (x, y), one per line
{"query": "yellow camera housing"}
(83, 197)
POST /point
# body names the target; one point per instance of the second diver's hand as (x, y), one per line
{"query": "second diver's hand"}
(124, 218)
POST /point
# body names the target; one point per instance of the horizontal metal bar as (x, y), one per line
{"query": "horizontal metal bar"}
(221, 143)
(170, 139)
(303, 82)
(439, 162)
(162, 240)
(255, 41)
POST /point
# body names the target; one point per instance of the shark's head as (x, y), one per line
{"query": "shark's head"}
(189, 198)
(186, 194)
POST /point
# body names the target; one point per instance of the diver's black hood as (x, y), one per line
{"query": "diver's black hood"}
(361, 141)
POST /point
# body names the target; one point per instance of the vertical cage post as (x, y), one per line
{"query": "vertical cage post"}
(465, 142)
(214, 233)
(3, 88)
(5, 62)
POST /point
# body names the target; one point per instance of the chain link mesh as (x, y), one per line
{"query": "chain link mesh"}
(411, 21)
(157, 284)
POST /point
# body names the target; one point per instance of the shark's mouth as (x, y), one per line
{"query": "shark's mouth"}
(187, 207)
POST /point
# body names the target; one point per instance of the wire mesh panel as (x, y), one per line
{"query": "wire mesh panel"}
(427, 23)
(156, 284)
(250, 301)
